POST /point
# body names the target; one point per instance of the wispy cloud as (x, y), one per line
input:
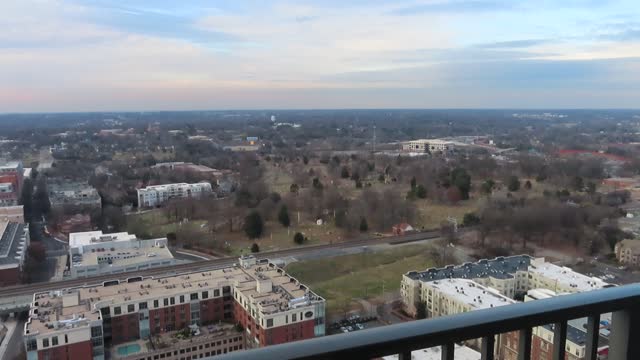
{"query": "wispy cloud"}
(513, 44)
(454, 6)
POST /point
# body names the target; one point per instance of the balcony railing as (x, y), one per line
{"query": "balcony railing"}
(624, 340)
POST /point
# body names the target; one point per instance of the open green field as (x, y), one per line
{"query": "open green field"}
(367, 275)
(154, 224)
(430, 215)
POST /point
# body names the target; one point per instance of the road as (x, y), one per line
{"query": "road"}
(29, 289)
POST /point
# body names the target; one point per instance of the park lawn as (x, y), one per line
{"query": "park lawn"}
(278, 178)
(154, 224)
(367, 275)
(431, 215)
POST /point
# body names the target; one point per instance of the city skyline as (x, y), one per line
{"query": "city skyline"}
(103, 56)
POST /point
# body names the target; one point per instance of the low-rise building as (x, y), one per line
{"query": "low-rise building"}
(11, 180)
(428, 145)
(159, 194)
(73, 194)
(511, 276)
(14, 242)
(628, 252)
(94, 253)
(190, 168)
(435, 353)
(12, 213)
(191, 315)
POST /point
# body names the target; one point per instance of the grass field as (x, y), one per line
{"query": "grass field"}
(154, 224)
(367, 275)
(430, 215)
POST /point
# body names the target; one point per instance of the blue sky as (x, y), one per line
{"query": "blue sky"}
(85, 55)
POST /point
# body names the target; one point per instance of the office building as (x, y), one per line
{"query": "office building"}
(94, 253)
(73, 195)
(12, 213)
(14, 242)
(628, 252)
(187, 316)
(159, 194)
(428, 145)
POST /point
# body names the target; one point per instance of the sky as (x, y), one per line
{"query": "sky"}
(107, 55)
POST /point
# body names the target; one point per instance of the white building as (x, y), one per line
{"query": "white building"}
(508, 275)
(159, 194)
(428, 145)
(93, 253)
(435, 353)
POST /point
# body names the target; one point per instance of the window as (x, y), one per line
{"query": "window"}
(131, 308)
(117, 310)
(269, 323)
(95, 331)
(66, 338)
(142, 305)
(216, 292)
(155, 303)
(172, 300)
(205, 294)
(166, 302)
(54, 341)
(293, 317)
(32, 344)
(194, 296)
(45, 342)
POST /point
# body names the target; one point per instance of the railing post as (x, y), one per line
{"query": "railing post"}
(524, 344)
(625, 332)
(559, 340)
(448, 351)
(405, 355)
(593, 334)
(488, 347)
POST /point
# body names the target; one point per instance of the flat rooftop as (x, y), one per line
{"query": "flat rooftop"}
(286, 292)
(435, 353)
(471, 293)
(121, 257)
(93, 237)
(169, 186)
(13, 242)
(566, 276)
(499, 268)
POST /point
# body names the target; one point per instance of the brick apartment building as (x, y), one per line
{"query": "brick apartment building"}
(199, 314)
(11, 180)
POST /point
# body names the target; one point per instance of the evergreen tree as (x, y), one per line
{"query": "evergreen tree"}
(253, 225)
(283, 216)
(364, 227)
(255, 248)
(298, 238)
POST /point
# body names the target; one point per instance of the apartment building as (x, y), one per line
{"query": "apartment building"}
(428, 145)
(511, 276)
(628, 252)
(251, 304)
(159, 194)
(73, 194)
(94, 253)
(14, 242)
(11, 180)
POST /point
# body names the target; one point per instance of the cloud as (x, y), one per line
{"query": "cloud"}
(513, 44)
(454, 6)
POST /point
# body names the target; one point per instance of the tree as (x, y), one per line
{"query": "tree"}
(255, 248)
(421, 191)
(513, 184)
(364, 227)
(37, 252)
(381, 178)
(470, 219)
(488, 185)
(421, 310)
(298, 238)
(344, 173)
(253, 225)
(461, 179)
(591, 187)
(358, 184)
(172, 238)
(577, 183)
(527, 185)
(283, 216)
(294, 188)
(413, 182)
(317, 184)
(27, 199)
(305, 159)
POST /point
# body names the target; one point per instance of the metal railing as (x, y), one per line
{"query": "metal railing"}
(624, 340)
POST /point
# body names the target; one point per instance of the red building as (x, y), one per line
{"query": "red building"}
(11, 180)
(250, 305)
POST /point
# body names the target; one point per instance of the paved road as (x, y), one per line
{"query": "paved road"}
(22, 290)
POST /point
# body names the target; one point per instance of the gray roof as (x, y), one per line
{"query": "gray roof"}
(11, 241)
(499, 268)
